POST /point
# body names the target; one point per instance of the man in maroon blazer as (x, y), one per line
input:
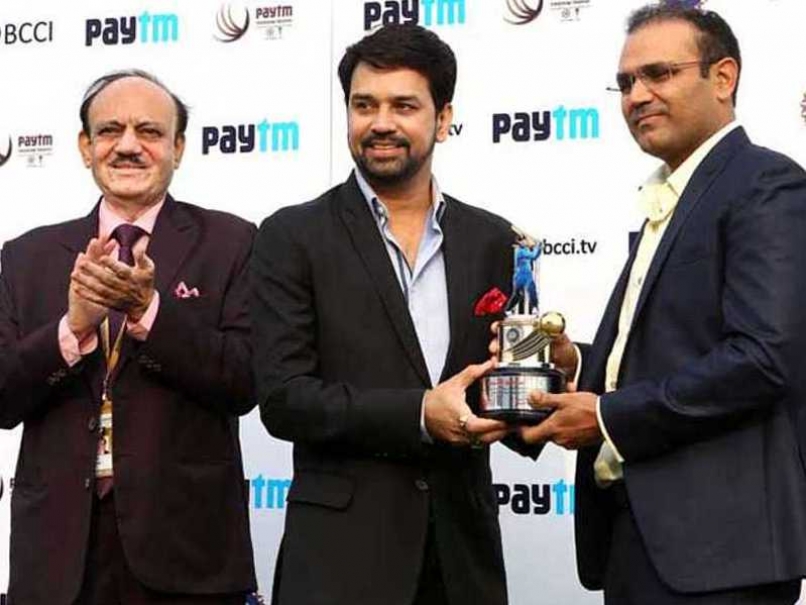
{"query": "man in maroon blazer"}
(132, 322)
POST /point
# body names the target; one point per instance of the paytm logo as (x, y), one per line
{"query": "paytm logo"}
(275, 12)
(268, 493)
(537, 498)
(427, 13)
(145, 28)
(265, 136)
(559, 123)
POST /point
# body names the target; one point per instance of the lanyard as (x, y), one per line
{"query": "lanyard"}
(111, 352)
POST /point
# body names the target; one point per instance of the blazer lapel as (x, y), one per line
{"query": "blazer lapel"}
(700, 182)
(174, 236)
(593, 369)
(457, 248)
(75, 235)
(175, 233)
(74, 238)
(369, 245)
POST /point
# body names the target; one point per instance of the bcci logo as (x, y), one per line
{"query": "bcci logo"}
(228, 28)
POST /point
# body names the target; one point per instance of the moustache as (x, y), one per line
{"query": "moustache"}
(374, 139)
(125, 161)
(644, 110)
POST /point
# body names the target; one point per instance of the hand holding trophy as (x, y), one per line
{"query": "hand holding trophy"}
(524, 345)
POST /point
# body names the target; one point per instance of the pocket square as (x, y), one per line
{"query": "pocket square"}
(182, 291)
(491, 303)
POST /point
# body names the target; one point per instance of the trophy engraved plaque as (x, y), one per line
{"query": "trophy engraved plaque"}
(524, 340)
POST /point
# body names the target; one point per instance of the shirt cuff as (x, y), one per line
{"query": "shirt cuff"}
(424, 436)
(579, 369)
(72, 350)
(602, 426)
(141, 329)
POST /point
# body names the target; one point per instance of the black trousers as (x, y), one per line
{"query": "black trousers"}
(108, 579)
(431, 588)
(631, 578)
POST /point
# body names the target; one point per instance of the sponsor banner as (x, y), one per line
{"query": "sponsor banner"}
(536, 139)
(266, 22)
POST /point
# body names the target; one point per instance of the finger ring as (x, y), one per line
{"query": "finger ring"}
(463, 422)
(475, 442)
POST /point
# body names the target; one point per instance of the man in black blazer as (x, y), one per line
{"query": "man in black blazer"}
(363, 319)
(691, 409)
(156, 354)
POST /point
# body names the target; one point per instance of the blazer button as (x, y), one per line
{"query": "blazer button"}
(92, 424)
(87, 483)
(421, 484)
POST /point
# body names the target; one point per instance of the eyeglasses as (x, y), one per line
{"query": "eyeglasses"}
(650, 75)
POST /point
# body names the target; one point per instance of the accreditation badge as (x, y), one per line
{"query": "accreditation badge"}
(103, 464)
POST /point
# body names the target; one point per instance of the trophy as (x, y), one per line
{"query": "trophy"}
(524, 340)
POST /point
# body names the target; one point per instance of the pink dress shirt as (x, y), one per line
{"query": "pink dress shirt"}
(73, 350)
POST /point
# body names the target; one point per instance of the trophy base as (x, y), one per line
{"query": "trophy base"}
(505, 393)
(525, 417)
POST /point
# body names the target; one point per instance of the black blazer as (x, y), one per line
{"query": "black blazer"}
(340, 373)
(179, 488)
(709, 413)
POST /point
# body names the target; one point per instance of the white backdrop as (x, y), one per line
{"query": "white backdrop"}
(575, 189)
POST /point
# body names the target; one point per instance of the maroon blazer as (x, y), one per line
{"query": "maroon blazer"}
(179, 488)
